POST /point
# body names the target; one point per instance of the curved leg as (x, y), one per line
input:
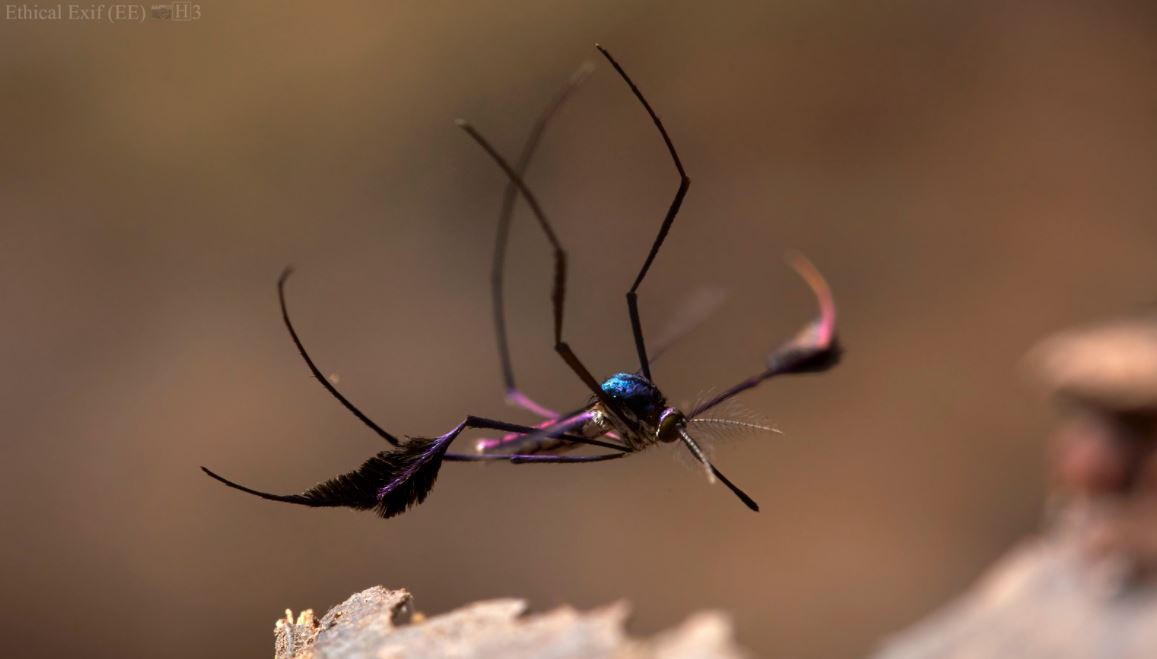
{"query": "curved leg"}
(558, 289)
(664, 228)
(815, 348)
(317, 372)
(514, 395)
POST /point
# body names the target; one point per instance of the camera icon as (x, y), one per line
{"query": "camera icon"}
(176, 11)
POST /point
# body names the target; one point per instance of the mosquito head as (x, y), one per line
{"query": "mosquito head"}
(671, 421)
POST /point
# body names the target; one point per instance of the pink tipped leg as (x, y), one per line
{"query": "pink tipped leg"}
(519, 399)
(825, 329)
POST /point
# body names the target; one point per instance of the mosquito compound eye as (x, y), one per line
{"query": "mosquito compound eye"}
(670, 421)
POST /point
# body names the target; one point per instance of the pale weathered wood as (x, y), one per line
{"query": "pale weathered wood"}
(381, 623)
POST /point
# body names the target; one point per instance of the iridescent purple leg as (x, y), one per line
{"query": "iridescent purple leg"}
(544, 439)
(562, 433)
(536, 459)
(508, 441)
(392, 481)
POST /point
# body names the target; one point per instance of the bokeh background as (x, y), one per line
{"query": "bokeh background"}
(969, 176)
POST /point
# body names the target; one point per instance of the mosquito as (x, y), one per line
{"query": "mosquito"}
(625, 413)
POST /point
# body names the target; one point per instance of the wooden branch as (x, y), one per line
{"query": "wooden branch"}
(382, 623)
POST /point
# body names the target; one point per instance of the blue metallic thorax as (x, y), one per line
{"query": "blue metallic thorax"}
(637, 395)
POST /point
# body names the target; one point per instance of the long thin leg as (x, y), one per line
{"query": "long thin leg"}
(562, 459)
(538, 441)
(558, 291)
(509, 440)
(558, 433)
(545, 439)
(513, 394)
(519, 459)
(672, 211)
(392, 481)
(317, 372)
(815, 348)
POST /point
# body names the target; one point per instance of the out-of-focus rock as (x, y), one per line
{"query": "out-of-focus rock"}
(1049, 598)
(1088, 587)
(1112, 365)
(381, 623)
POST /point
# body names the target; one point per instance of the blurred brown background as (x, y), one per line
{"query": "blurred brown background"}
(969, 176)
